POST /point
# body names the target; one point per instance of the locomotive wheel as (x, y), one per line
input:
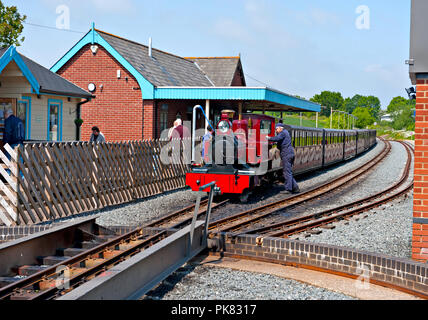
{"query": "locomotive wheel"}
(243, 198)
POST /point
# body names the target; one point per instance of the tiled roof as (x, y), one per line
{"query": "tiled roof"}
(162, 69)
(51, 82)
(2, 51)
(221, 70)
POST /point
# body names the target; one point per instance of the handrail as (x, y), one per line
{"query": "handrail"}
(212, 186)
(194, 128)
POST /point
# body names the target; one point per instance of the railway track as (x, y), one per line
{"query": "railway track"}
(41, 283)
(81, 264)
(78, 269)
(183, 217)
(330, 216)
(238, 221)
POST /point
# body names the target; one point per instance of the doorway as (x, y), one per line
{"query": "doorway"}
(5, 104)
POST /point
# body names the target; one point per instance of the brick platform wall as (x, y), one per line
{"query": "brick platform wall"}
(420, 209)
(14, 233)
(403, 274)
(118, 107)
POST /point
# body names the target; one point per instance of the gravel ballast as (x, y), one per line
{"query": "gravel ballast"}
(384, 175)
(146, 210)
(209, 283)
(387, 229)
(142, 212)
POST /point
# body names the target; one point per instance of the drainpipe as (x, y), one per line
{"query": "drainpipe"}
(79, 104)
(155, 106)
(142, 130)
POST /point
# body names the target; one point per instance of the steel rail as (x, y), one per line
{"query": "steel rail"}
(35, 279)
(172, 216)
(329, 216)
(178, 215)
(236, 221)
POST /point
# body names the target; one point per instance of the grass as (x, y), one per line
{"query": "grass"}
(295, 121)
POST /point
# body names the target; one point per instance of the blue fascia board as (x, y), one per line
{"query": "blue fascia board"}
(235, 93)
(12, 54)
(6, 58)
(92, 37)
(284, 99)
(210, 93)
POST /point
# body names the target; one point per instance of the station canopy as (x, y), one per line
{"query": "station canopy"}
(253, 98)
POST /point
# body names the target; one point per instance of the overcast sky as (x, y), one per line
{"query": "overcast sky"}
(300, 47)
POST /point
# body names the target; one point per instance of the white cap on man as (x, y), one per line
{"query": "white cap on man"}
(8, 113)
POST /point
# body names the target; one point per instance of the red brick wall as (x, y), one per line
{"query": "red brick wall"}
(117, 108)
(420, 209)
(149, 113)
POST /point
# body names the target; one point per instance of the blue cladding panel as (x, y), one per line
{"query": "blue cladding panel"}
(287, 100)
(210, 93)
(235, 93)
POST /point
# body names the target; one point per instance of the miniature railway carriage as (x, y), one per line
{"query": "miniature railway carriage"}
(240, 158)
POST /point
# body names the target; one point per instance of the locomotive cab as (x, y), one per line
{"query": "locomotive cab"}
(238, 157)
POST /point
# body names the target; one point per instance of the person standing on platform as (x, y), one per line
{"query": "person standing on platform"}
(14, 131)
(97, 136)
(286, 149)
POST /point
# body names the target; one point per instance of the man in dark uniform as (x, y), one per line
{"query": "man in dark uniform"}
(285, 146)
(14, 131)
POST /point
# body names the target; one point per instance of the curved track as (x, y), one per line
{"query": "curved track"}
(327, 217)
(243, 219)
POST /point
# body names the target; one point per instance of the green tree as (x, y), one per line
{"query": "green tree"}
(350, 104)
(329, 100)
(401, 110)
(370, 102)
(397, 104)
(11, 26)
(365, 117)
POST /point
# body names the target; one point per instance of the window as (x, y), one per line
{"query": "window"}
(265, 127)
(21, 113)
(54, 120)
(164, 118)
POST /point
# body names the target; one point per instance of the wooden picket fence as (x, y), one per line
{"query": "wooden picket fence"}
(48, 181)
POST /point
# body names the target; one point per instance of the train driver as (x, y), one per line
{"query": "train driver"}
(285, 146)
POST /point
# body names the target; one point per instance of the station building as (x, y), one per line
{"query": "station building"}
(45, 102)
(140, 91)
